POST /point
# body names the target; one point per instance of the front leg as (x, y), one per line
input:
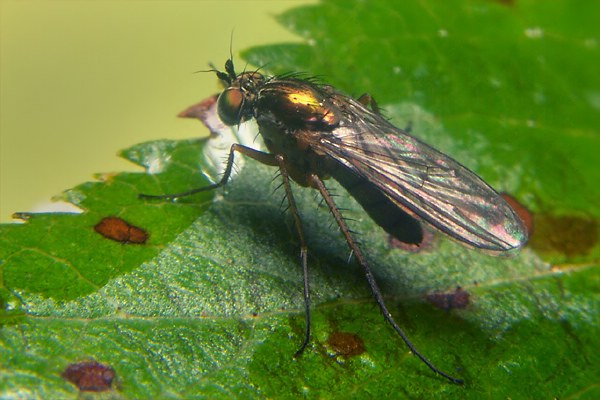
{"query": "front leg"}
(260, 156)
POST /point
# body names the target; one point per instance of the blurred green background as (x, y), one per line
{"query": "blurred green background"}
(81, 80)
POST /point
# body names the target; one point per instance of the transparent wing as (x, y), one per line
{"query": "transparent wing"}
(422, 180)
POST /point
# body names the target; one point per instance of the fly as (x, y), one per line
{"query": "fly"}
(314, 132)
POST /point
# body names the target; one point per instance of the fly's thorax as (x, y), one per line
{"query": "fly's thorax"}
(297, 104)
(236, 102)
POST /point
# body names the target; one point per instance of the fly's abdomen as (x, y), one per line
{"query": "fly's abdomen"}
(380, 208)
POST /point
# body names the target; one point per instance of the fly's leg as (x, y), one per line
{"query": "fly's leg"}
(262, 157)
(318, 184)
(303, 248)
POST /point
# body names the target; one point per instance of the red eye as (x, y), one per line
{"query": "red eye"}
(229, 106)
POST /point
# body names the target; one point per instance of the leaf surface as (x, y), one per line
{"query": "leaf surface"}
(211, 304)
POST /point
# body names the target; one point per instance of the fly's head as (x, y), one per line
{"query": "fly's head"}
(236, 102)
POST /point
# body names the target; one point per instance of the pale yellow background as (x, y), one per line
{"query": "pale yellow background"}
(80, 80)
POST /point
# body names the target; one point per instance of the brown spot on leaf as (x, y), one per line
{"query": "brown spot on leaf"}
(458, 298)
(427, 243)
(569, 235)
(346, 344)
(90, 376)
(119, 230)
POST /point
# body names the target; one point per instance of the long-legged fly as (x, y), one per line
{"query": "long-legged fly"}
(314, 132)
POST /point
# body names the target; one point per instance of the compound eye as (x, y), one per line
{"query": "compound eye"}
(229, 106)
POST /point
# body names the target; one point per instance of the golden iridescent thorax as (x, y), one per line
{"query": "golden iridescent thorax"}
(297, 104)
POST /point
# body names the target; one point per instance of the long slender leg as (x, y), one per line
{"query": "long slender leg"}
(303, 248)
(262, 157)
(317, 183)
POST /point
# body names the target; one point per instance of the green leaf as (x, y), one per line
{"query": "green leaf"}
(211, 304)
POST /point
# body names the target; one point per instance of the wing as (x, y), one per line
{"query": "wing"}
(421, 180)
